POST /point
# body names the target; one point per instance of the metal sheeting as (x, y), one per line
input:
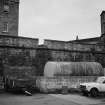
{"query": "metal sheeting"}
(53, 69)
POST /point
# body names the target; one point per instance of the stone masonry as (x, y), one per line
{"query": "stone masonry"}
(9, 13)
(24, 57)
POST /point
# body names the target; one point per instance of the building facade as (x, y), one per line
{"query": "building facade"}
(19, 53)
(9, 16)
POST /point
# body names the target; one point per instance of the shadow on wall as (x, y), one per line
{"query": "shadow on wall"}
(42, 56)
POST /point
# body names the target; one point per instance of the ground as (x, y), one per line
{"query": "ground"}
(49, 99)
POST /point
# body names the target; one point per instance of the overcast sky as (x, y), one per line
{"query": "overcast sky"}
(60, 19)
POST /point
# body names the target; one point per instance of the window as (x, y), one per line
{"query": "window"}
(5, 27)
(6, 8)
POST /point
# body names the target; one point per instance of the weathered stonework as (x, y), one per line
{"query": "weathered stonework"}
(21, 53)
(102, 23)
(21, 56)
(55, 44)
(9, 13)
(18, 41)
(17, 52)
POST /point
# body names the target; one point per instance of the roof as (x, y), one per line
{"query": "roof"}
(86, 40)
(103, 12)
(22, 37)
(54, 40)
(52, 69)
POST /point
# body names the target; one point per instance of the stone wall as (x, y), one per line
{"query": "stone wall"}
(9, 13)
(17, 61)
(18, 41)
(21, 56)
(17, 52)
(54, 44)
(69, 51)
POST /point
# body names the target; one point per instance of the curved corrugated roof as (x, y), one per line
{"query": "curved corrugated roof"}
(73, 69)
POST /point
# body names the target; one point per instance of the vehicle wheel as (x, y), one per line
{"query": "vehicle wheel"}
(94, 92)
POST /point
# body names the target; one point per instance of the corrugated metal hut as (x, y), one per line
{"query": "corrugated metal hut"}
(53, 69)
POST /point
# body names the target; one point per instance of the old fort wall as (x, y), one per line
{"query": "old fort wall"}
(21, 55)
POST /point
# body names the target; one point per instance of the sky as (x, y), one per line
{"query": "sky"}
(60, 19)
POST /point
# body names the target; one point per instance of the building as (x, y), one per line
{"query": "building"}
(19, 53)
(9, 13)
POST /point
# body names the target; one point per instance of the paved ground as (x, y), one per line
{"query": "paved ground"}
(81, 100)
(36, 99)
(51, 99)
